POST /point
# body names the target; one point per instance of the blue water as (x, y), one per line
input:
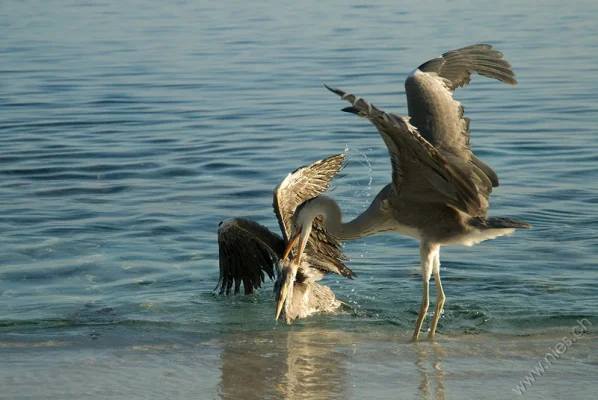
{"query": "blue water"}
(128, 130)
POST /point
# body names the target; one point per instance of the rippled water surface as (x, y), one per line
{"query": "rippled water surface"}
(128, 130)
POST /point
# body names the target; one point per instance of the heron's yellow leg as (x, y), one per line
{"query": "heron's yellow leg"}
(427, 253)
(440, 297)
(423, 309)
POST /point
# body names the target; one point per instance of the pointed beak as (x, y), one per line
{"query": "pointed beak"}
(290, 267)
(288, 271)
(281, 299)
(291, 243)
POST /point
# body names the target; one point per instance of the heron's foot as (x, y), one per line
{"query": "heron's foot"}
(437, 315)
(414, 337)
(431, 337)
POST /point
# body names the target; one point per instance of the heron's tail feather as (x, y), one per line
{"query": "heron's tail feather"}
(482, 223)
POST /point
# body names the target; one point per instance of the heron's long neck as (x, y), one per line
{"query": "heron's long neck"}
(364, 225)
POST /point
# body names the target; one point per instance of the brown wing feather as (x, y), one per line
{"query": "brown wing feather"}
(456, 66)
(322, 250)
(303, 184)
(246, 251)
(439, 118)
(325, 252)
(420, 172)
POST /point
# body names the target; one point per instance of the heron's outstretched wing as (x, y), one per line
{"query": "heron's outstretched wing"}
(439, 118)
(322, 250)
(246, 250)
(420, 173)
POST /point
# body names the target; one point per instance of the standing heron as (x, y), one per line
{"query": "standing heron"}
(247, 249)
(439, 191)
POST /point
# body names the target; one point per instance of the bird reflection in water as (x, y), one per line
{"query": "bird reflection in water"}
(429, 362)
(290, 364)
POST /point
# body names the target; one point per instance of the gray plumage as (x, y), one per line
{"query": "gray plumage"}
(439, 118)
(439, 191)
(304, 297)
(429, 193)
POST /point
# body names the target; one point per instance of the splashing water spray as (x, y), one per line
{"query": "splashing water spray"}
(361, 193)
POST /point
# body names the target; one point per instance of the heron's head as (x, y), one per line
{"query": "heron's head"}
(284, 284)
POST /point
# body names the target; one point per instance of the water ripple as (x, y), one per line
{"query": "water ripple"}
(128, 134)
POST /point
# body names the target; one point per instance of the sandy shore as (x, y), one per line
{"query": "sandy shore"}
(299, 363)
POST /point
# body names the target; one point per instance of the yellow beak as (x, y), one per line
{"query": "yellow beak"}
(281, 300)
(291, 243)
(285, 287)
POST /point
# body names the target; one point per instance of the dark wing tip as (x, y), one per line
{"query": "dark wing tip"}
(497, 223)
(335, 90)
(351, 110)
(456, 66)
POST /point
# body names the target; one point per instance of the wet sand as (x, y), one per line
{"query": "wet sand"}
(291, 363)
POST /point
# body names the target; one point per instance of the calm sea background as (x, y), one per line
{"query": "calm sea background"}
(128, 130)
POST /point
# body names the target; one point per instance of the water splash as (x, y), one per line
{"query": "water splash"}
(357, 201)
(358, 188)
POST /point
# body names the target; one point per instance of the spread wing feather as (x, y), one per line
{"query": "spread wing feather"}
(419, 171)
(322, 250)
(439, 118)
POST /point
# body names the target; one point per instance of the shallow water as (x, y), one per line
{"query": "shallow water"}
(129, 130)
(302, 362)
